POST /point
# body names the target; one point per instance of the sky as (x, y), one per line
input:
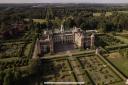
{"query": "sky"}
(63, 1)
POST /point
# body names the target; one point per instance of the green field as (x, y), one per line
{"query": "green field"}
(123, 11)
(121, 63)
(99, 14)
(37, 20)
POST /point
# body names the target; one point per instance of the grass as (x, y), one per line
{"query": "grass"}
(108, 14)
(94, 71)
(27, 49)
(58, 71)
(11, 49)
(123, 38)
(9, 59)
(37, 20)
(108, 40)
(123, 11)
(96, 14)
(124, 35)
(120, 83)
(99, 14)
(121, 63)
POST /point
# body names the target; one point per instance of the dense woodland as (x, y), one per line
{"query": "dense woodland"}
(82, 17)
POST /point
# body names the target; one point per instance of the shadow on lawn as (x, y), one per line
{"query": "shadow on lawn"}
(49, 68)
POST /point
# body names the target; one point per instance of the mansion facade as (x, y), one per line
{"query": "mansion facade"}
(49, 40)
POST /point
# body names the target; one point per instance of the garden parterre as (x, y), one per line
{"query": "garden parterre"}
(107, 40)
(88, 68)
(99, 71)
(57, 70)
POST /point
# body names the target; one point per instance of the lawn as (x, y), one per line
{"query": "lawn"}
(99, 14)
(37, 20)
(96, 14)
(123, 11)
(27, 49)
(124, 35)
(9, 59)
(121, 63)
(108, 14)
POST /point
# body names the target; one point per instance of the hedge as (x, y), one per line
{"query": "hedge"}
(115, 69)
(71, 70)
(82, 67)
(116, 47)
(32, 48)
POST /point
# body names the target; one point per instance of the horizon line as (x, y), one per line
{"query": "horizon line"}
(61, 3)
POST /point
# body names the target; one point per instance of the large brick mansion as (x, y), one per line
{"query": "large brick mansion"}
(49, 40)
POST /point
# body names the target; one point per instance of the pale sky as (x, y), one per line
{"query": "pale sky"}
(63, 1)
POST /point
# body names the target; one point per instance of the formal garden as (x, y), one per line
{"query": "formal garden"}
(87, 68)
(64, 70)
(57, 70)
(108, 40)
(110, 68)
(11, 49)
(15, 55)
(99, 71)
(119, 59)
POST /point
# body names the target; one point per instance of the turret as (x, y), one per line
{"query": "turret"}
(51, 44)
(62, 28)
(82, 40)
(37, 50)
(92, 44)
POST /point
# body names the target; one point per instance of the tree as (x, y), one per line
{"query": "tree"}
(49, 14)
(49, 24)
(3, 27)
(35, 65)
(1, 77)
(57, 22)
(17, 77)
(83, 26)
(69, 22)
(8, 79)
(78, 20)
(102, 27)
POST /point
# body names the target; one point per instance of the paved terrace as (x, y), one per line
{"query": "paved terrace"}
(68, 53)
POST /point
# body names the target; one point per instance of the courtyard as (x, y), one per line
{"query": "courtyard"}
(63, 47)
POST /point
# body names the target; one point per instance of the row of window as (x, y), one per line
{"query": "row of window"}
(63, 38)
